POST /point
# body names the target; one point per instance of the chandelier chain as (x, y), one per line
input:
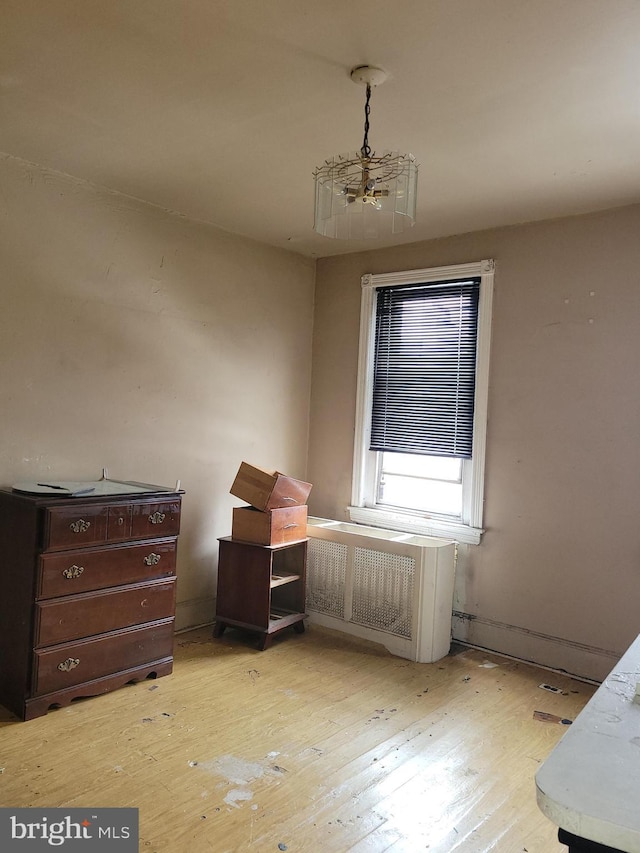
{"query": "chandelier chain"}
(365, 151)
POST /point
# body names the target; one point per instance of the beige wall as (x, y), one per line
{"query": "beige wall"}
(161, 348)
(157, 347)
(557, 576)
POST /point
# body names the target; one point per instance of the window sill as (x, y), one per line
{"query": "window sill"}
(407, 523)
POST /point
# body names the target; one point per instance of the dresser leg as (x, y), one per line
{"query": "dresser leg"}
(218, 629)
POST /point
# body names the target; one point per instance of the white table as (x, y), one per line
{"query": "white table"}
(590, 784)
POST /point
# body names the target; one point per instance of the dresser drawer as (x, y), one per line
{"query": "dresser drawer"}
(74, 663)
(74, 617)
(95, 524)
(75, 526)
(119, 523)
(71, 572)
(272, 527)
(155, 519)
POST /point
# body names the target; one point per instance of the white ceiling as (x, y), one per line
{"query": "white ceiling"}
(220, 109)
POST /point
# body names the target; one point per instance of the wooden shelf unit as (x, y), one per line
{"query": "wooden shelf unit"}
(261, 588)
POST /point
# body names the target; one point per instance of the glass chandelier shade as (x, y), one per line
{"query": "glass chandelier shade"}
(361, 195)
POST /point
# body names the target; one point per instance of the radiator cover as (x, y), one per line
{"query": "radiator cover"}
(392, 588)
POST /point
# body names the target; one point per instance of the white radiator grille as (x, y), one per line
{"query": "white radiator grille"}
(326, 577)
(389, 587)
(383, 591)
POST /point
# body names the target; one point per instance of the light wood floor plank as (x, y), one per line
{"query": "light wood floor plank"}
(321, 743)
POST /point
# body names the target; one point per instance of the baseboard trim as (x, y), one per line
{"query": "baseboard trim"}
(578, 659)
(194, 613)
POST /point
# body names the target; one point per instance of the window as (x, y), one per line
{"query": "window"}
(422, 400)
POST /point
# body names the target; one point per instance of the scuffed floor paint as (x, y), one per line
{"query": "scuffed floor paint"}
(236, 796)
(240, 774)
(237, 771)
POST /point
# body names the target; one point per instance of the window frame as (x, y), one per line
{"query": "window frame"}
(363, 508)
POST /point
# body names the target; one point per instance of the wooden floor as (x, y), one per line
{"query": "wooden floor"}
(320, 744)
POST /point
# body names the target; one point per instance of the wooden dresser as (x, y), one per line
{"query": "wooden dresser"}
(87, 593)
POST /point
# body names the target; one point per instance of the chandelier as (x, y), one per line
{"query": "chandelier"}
(360, 195)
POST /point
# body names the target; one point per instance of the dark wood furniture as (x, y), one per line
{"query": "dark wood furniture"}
(87, 598)
(583, 845)
(261, 588)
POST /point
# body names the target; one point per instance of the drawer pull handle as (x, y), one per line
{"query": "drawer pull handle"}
(68, 664)
(72, 572)
(121, 521)
(292, 500)
(152, 559)
(288, 526)
(80, 526)
(157, 518)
